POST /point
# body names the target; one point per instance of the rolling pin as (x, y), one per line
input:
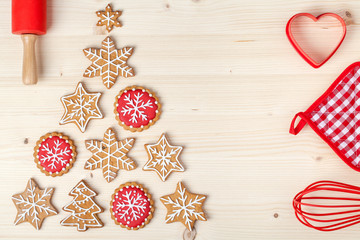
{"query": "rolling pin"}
(29, 20)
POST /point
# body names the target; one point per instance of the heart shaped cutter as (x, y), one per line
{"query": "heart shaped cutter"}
(297, 47)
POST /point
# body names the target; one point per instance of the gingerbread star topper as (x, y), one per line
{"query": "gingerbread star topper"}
(183, 206)
(109, 18)
(110, 155)
(80, 107)
(108, 62)
(33, 205)
(163, 158)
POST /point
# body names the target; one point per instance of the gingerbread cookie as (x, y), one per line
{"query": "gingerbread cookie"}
(54, 154)
(33, 205)
(108, 18)
(136, 108)
(110, 155)
(163, 158)
(131, 206)
(108, 62)
(183, 206)
(80, 107)
(84, 211)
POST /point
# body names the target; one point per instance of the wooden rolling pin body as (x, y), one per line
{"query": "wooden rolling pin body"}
(29, 76)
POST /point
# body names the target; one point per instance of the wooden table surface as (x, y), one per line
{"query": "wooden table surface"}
(230, 83)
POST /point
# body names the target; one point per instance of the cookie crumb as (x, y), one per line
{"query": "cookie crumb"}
(276, 215)
(26, 141)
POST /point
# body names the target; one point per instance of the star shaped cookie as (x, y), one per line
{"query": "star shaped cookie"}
(183, 206)
(108, 62)
(110, 155)
(33, 205)
(108, 18)
(80, 107)
(163, 158)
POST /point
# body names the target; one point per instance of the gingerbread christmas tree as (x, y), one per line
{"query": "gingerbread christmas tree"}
(83, 209)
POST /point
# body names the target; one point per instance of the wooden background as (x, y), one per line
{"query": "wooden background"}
(229, 82)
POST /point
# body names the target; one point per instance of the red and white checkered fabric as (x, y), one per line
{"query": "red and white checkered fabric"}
(335, 116)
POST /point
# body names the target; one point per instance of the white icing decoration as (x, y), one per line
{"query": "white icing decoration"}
(33, 204)
(108, 18)
(135, 107)
(110, 155)
(81, 107)
(163, 160)
(132, 205)
(78, 212)
(185, 206)
(118, 63)
(55, 155)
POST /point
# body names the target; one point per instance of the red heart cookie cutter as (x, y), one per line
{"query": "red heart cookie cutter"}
(297, 47)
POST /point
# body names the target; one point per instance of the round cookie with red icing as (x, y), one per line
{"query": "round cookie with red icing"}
(54, 154)
(136, 108)
(131, 206)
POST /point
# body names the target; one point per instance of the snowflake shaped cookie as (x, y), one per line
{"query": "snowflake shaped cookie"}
(131, 206)
(110, 155)
(54, 154)
(80, 107)
(108, 62)
(108, 18)
(183, 206)
(163, 158)
(33, 205)
(136, 108)
(83, 208)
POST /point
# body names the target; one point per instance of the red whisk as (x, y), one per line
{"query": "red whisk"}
(328, 206)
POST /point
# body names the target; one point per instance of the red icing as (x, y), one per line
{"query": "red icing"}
(136, 108)
(139, 209)
(54, 154)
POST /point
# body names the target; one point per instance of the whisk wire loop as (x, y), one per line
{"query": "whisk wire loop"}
(328, 216)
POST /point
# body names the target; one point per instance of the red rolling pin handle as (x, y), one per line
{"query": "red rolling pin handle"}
(29, 20)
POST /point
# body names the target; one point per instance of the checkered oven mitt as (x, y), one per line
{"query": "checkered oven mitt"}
(335, 116)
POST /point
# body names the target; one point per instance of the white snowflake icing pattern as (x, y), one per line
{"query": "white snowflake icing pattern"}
(33, 204)
(163, 160)
(110, 155)
(108, 18)
(185, 206)
(131, 205)
(55, 154)
(135, 107)
(80, 107)
(108, 62)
